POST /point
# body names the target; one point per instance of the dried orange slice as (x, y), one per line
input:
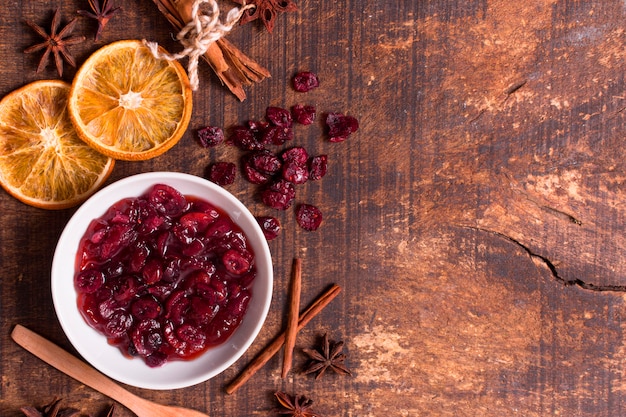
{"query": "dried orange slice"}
(128, 104)
(43, 162)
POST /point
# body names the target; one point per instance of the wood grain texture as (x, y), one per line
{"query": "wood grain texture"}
(475, 221)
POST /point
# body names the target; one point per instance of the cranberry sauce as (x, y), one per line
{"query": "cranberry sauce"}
(164, 276)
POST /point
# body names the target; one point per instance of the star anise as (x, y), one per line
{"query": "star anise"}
(296, 406)
(100, 12)
(50, 410)
(54, 410)
(328, 356)
(56, 43)
(266, 11)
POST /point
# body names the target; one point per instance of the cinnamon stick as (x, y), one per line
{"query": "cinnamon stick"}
(270, 350)
(214, 54)
(292, 315)
(234, 68)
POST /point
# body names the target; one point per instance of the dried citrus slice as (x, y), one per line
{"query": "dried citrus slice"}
(128, 104)
(42, 160)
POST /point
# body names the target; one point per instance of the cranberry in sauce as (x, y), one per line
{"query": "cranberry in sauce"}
(164, 276)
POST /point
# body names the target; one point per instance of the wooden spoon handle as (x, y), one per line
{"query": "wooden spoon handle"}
(72, 366)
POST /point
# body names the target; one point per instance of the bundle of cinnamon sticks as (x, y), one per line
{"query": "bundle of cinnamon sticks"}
(234, 68)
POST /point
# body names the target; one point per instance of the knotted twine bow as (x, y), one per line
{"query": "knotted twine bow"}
(198, 35)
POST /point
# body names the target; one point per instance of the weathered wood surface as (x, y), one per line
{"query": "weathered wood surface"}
(475, 221)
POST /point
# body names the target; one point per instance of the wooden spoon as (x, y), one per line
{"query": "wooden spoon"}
(79, 370)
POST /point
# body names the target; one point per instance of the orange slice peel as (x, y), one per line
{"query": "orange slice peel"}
(128, 104)
(43, 162)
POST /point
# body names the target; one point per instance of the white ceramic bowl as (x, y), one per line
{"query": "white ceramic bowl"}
(108, 359)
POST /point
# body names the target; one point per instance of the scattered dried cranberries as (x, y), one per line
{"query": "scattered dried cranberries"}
(308, 217)
(303, 114)
(279, 117)
(279, 195)
(222, 173)
(296, 154)
(318, 167)
(279, 173)
(210, 136)
(245, 139)
(340, 126)
(270, 226)
(305, 81)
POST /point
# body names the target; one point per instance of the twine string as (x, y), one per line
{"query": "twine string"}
(198, 35)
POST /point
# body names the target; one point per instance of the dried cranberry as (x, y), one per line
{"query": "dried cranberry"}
(259, 166)
(297, 154)
(210, 136)
(270, 226)
(222, 173)
(305, 81)
(257, 125)
(279, 195)
(277, 135)
(308, 217)
(253, 175)
(305, 115)
(258, 128)
(266, 162)
(245, 139)
(340, 126)
(318, 166)
(279, 117)
(294, 172)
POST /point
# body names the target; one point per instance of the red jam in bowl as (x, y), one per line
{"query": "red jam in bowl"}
(164, 276)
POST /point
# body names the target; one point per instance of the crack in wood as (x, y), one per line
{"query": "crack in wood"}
(480, 113)
(562, 215)
(515, 86)
(553, 270)
(507, 93)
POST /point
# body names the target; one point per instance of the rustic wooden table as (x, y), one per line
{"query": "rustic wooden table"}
(475, 221)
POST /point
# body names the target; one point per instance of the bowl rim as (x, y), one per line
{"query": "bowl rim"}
(135, 372)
